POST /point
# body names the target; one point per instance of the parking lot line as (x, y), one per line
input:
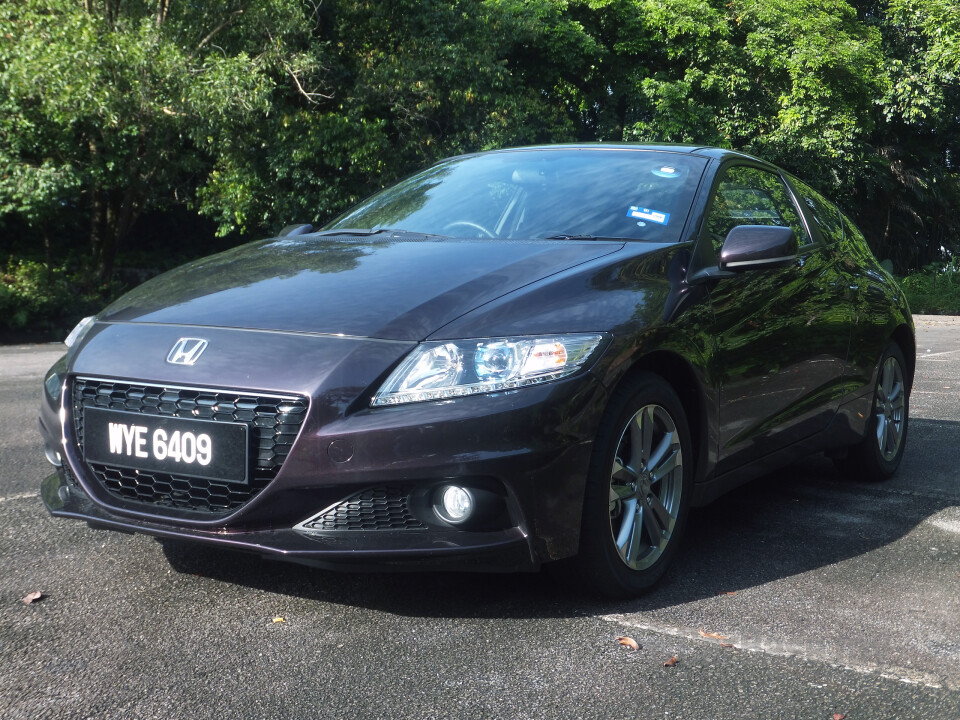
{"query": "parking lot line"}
(927, 356)
(19, 496)
(777, 649)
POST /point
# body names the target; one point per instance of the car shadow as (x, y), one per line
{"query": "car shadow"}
(793, 521)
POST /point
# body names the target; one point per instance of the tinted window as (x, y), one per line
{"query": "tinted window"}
(824, 213)
(541, 193)
(750, 196)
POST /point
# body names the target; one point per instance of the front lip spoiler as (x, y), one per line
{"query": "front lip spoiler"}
(382, 550)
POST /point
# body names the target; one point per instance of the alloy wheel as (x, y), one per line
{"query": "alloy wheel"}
(889, 409)
(646, 483)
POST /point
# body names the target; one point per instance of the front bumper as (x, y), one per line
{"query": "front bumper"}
(531, 445)
(503, 551)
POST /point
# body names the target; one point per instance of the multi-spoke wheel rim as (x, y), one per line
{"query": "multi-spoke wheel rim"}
(889, 409)
(645, 486)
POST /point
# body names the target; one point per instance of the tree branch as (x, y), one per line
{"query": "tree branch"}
(310, 96)
(163, 7)
(224, 23)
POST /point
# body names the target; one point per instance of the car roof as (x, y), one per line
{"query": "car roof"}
(714, 153)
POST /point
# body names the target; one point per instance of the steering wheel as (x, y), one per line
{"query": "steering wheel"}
(471, 225)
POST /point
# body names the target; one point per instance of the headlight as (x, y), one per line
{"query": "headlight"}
(53, 381)
(76, 335)
(440, 370)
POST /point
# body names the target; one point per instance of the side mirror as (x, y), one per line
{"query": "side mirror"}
(754, 247)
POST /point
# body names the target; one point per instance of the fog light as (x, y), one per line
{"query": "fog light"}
(457, 503)
(53, 457)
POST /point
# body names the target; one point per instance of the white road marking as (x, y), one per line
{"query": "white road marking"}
(947, 519)
(927, 356)
(948, 525)
(903, 675)
(21, 496)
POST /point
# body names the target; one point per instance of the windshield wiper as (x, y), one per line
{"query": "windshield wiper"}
(366, 232)
(564, 236)
(349, 231)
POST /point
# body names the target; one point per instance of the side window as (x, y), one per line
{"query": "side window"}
(824, 213)
(750, 196)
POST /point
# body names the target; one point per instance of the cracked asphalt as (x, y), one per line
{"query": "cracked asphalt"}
(831, 597)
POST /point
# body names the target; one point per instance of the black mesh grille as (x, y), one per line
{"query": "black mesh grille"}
(274, 423)
(70, 477)
(374, 509)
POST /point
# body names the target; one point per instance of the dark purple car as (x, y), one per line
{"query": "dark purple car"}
(509, 359)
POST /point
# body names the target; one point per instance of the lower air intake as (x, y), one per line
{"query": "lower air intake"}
(378, 508)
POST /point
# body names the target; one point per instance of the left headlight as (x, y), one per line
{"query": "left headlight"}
(82, 328)
(454, 368)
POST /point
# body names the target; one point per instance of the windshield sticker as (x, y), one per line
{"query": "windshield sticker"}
(654, 216)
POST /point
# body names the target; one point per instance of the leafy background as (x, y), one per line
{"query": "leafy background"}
(137, 134)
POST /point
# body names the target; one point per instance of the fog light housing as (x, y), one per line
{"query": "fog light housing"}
(456, 504)
(53, 457)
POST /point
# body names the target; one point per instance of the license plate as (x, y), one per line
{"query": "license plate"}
(178, 446)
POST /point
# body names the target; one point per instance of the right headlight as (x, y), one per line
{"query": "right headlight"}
(53, 381)
(454, 368)
(55, 375)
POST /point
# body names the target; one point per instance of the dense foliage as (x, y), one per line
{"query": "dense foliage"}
(254, 114)
(934, 290)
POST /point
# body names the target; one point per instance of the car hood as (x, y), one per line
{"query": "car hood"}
(390, 288)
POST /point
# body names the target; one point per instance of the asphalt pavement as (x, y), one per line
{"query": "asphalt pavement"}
(801, 595)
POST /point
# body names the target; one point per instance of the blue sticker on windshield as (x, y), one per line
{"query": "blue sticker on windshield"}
(641, 213)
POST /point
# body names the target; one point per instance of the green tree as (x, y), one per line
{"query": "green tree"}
(102, 104)
(403, 83)
(908, 203)
(261, 113)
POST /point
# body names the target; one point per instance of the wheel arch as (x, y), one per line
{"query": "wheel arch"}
(598, 566)
(904, 337)
(680, 375)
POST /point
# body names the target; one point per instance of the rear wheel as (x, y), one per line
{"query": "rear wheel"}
(638, 490)
(878, 455)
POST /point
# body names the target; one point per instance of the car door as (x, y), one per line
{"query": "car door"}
(857, 280)
(870, 293)
(781, 334)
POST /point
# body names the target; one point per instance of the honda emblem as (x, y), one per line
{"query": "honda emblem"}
(187, 351)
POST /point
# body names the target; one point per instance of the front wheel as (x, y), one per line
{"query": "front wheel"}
(638, 490)
(878, 455)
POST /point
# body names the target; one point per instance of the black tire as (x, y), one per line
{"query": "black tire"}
(878, 455)
(633, 515)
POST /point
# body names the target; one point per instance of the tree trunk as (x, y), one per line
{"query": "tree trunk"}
(121, 213)
(885, 237)
(163, 7)
(98, 223)
(47, 246)
(621, 116)
(108, 246)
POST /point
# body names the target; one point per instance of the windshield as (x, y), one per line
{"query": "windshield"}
(634, 194)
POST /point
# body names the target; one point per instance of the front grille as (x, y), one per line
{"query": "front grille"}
(378, 508)
(274, 423)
